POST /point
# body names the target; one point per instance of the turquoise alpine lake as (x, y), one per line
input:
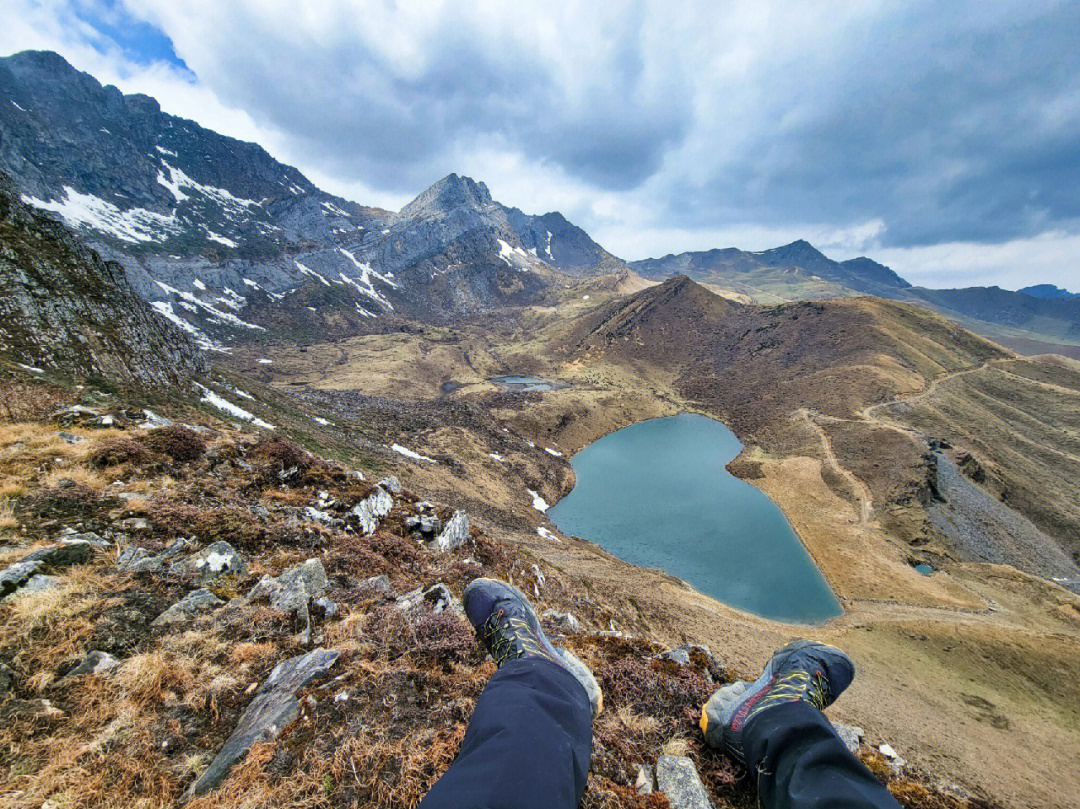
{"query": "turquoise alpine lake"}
(657, 494)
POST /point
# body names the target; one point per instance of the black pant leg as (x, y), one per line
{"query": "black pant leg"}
(801, 763)
(528, 744)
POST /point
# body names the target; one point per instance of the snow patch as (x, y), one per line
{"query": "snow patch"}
(216, 314)
(408, 453)
(546, 534)
(496, 456)
(199, 285)
(364, 283)
(18, 107)
(308, 271)
(264, 361)
(539, 503)
(165, 308)
(219, 239)
(86, 210)
(322, 421)
(547, 249)
(250, 283)
(177, 180)
(506, 253)
(31, 368)
(233, 410)
(554, 452)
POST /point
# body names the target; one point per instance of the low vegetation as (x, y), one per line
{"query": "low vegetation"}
(389, 720)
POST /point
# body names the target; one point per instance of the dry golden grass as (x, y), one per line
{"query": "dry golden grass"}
(51, 626)
(7, 515)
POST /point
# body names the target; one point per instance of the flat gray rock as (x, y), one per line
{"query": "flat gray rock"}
(376, 586)
(139, 560)
(273, 708)
(63, 555)
(213, 562)
(37, 583)
(95, 662)
(15, 576)
(678, 779)
(188, 607)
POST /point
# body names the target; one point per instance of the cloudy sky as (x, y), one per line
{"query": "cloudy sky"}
(940, 138)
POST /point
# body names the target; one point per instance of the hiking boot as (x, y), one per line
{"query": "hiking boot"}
(507, 626)
(803, 670)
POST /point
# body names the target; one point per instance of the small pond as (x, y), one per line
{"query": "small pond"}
(658, 494)
(522, 384)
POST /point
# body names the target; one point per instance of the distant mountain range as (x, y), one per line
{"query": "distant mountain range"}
(798, 271)
(231, 245)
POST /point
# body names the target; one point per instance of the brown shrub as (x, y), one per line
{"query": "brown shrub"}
(30, 401)
(176, 442)
(117, 450)
(276, 454)
(66, 499)
(231, 523)
(446, 638)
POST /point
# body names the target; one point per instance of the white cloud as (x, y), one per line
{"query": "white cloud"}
(658, 127)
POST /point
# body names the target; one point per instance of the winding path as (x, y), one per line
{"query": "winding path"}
(868, 415)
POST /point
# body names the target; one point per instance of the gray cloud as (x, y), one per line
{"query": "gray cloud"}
(659, 127)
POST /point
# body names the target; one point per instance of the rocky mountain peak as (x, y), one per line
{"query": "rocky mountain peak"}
(451, 192)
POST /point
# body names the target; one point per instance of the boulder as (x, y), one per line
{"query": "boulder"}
(70, 438)
(371, 509)
(188, 607)
(15, 576)
(376, 586)
(438, 597)
(454, 535)
(563, 620)
(294, 590)
(139, 560)
(87, 536)
(850, 735)
(38, 583)
(63, 555)
(391, 484)
(273, 708)
(678, 779)
(216, 560)
(95, 662)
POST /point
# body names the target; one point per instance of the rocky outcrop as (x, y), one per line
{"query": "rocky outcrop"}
(188, 607)
(28, 572)
(67, 311)
(274, 707)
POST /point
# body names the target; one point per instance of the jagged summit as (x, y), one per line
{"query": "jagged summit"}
(452, 191)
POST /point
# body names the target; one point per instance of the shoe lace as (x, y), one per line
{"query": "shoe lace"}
(495, 632)
(796, 685)
(509, 638)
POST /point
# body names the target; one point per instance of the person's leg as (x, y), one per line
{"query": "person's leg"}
(528, 744)
(775, 727)
(800, 763)
(529, 740)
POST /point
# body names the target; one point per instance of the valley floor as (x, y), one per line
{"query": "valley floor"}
(966, 672)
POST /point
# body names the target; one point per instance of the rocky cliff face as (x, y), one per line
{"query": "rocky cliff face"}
(216, 234)
(64, 309)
